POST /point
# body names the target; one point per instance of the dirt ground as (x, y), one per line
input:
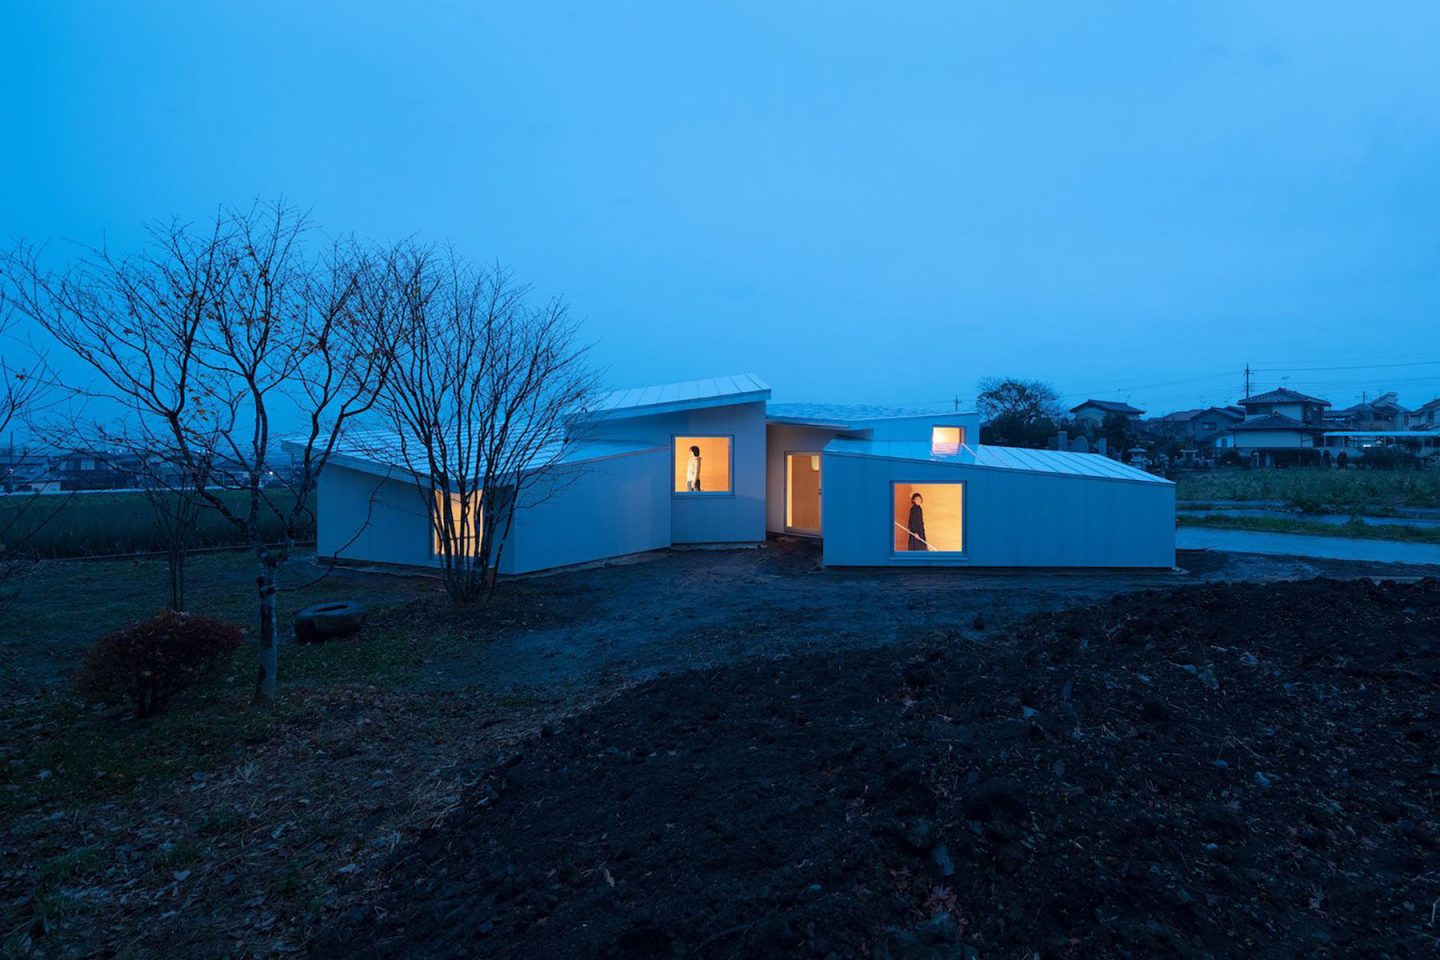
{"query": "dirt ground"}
(683, 609)
(218, 829)
(1220, 771)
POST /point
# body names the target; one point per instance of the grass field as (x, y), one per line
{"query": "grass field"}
(1317, 490)
(1355, 529)
(104, 523)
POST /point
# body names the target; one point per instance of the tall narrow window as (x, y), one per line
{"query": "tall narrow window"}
(946, 441)
(929, 518)
(456, 526)
(702, 465)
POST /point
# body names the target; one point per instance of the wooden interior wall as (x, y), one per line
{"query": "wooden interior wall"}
(714, 463)
(802, 481)
(943, 505)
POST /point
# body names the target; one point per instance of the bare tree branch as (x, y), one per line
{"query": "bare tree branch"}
(210, 340)
(477, 399)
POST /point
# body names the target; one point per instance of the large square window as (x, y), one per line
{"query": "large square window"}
(702, 465)
(929, 518)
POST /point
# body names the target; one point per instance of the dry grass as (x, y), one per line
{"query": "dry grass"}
(1318, 489)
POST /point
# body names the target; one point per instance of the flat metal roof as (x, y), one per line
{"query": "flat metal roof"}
(985, 456)
(669, 397)
(1381, 434)
(849, 415)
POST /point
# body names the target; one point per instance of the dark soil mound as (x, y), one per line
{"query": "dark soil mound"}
(1236, 771)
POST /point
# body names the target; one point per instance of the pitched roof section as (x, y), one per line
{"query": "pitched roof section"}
(1180, 416)
(1185, 416)
(847, 415)
(1109, 406)
(998, 458)
(383, 453)
(1282, 396)
(670, 397)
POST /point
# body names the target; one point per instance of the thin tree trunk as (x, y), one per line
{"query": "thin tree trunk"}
(269, 654)
(180, 581)
(176, 563)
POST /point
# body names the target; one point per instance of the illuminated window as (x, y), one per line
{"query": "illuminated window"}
(702, 465)
(454, 525)
(946, 441)
(929, 518)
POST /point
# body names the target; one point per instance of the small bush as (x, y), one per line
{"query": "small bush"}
(1389, 458)
(146, 663)
(1230, 457)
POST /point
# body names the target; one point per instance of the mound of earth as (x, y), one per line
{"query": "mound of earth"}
(1233, 770)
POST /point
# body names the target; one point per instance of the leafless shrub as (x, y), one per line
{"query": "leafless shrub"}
(209, 340)
(477, 400)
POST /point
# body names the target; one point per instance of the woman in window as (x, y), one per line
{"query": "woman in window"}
(692, 471)
(916, 526)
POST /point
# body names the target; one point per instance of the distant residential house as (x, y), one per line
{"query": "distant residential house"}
(1426, 416)
(83, 468)
(1286, 403)
(1096, 410)
(1199, 428)
(1382, 413)
(1278, 424)
(26, 471)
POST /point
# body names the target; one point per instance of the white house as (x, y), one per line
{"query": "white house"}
(1278, 424)
(1096, 411)
(714, 462)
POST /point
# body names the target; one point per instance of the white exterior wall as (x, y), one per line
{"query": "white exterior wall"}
(574, 513)
(1271, 439)
(735, 517)
(918, 428)
(1012, 517)
(362, 516)
(783, 438)
(591, 510)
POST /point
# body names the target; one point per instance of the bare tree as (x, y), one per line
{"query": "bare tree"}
(172, 491)
(477, 400)
(209, 341)
(21, 385)
(1021, 413)
(23, 388)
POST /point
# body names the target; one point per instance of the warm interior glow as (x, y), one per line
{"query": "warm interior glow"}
(802, 483)
(946, 441)
(713, 469)
(466, 533)
(940, 523)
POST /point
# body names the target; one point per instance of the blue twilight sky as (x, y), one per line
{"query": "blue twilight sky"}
(877, 202)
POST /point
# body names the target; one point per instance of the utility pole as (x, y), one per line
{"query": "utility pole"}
(957, 403)
(1247, 379)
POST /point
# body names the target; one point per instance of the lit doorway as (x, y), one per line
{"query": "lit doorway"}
(802, 493)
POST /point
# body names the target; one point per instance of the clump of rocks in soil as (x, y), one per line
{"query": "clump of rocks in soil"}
(1230, 770)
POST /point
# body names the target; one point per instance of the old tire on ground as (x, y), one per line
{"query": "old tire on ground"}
(329, 621)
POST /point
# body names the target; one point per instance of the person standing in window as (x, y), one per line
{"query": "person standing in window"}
(692, 471)
(916, 526)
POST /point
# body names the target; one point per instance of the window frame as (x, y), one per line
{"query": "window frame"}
(432, 537)
(917, 556)
(729, 439)
(785, 506)
(960, 444)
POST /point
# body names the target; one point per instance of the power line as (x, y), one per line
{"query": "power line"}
(1358, 366)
